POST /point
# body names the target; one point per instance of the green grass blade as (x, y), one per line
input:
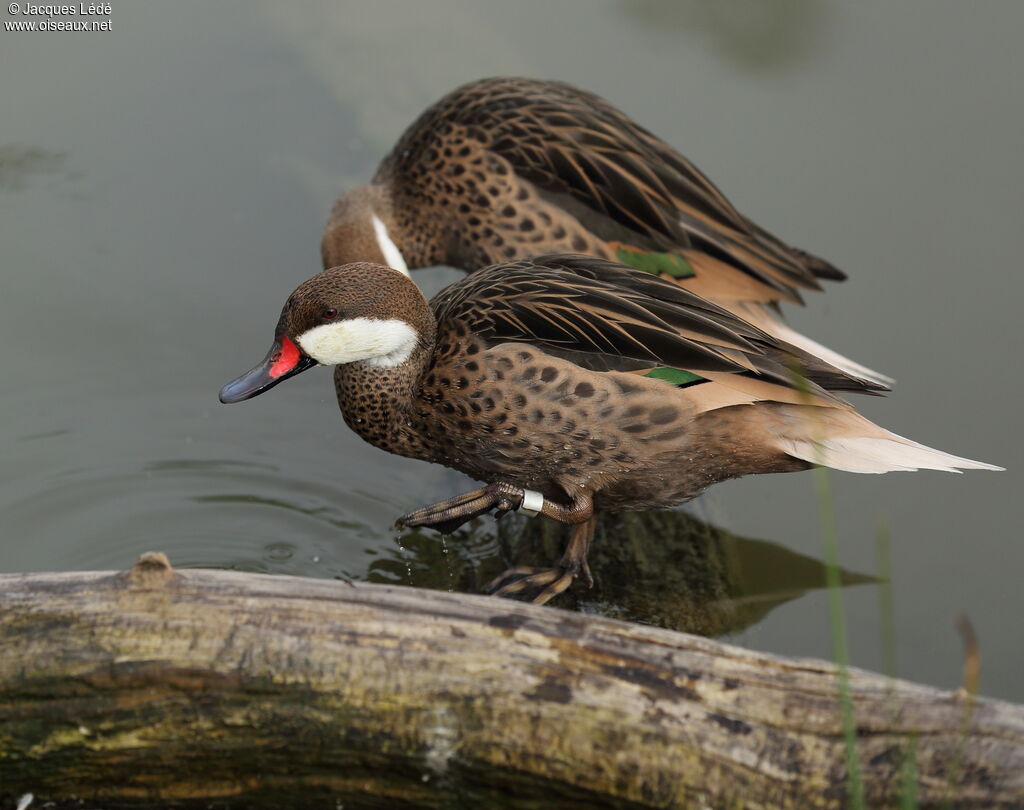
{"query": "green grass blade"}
(908, 786)
(837, 623)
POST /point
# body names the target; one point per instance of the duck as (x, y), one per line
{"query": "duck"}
(571, 384)
(509, 168)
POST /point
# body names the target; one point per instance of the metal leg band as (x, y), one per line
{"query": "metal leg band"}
(532, 503)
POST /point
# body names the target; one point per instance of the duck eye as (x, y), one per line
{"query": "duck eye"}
(330, 314)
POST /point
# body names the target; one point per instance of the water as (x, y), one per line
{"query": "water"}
(163, 185)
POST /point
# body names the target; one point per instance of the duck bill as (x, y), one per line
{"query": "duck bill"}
(284, 360)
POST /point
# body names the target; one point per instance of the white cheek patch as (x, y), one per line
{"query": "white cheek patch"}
(392, 255)
(384, 343)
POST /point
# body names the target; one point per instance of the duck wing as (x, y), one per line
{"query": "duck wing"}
(606, 316)
(620, 181)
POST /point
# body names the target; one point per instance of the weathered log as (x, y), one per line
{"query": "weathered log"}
(160, 687)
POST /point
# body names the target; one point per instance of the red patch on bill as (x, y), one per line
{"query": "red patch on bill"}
(285, 358)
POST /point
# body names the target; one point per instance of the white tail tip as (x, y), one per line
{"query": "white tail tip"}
(872, 454)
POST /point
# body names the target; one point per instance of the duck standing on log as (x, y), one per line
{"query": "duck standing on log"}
(571, 384)
(508, 168)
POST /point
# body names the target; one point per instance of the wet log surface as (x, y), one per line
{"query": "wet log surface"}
(157, 688)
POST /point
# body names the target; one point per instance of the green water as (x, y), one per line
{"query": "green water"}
(163, 186)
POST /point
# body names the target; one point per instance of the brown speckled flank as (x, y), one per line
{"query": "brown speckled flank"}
(509, 168)
(531, 375)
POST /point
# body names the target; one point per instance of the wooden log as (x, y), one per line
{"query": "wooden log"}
(163, 688)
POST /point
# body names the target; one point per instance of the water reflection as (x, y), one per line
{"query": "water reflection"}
(19, 162)
(664, 568)
(755, 34)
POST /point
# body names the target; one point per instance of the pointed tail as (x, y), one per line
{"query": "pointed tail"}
(852, 443)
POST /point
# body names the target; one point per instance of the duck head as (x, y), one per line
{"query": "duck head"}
(356, 313)
(361, 228)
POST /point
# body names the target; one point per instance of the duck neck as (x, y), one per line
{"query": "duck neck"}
(380, 404)
(412, 220)
(384, 225)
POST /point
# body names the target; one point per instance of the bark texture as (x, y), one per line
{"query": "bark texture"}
(158, 688)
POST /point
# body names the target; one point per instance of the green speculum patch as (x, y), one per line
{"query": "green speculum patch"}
(655, 263)
(675, 376)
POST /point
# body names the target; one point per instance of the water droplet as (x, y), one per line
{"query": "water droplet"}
(278, 551)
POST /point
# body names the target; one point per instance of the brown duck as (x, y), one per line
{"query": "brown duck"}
(570, 384)
(506, 168)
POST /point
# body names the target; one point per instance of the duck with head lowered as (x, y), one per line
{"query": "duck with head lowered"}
(508, 168)
(570, 384)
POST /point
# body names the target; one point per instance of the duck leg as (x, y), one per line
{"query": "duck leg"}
(448, 515)
(547, 583)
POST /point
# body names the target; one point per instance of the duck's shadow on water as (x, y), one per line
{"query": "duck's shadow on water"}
(665, 568)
